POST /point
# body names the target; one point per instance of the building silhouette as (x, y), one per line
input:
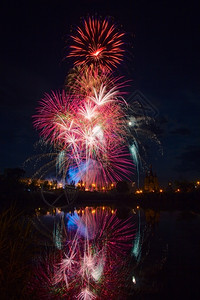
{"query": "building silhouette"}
(151, 182)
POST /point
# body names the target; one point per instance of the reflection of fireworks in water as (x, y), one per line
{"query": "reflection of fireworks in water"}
(98, 42)
(91, 263)
(149, 255)
(91, 253)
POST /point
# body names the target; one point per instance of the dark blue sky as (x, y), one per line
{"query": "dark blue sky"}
(163, 62)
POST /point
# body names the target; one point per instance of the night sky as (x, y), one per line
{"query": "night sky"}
(162, 61)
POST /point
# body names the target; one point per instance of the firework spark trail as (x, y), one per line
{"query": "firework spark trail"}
(85, 294)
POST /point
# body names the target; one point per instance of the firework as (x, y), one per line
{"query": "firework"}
(55, 112)
(97, 42)
(90, 134)
(82, 81)
(87, 126)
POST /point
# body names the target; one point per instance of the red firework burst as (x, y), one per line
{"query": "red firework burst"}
(98, 42)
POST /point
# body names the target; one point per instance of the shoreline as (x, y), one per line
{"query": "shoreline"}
(28, 201)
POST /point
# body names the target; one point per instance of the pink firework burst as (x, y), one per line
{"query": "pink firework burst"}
(97, 42)
(56, 111)
(90, 132)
